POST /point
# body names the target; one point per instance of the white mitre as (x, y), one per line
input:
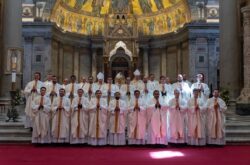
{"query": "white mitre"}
(119, 76)
(137, 72)
(100, 76)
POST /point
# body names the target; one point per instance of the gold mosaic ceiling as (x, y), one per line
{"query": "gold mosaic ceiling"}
(155, 17)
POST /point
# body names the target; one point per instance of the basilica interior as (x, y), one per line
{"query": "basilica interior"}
(162, 37)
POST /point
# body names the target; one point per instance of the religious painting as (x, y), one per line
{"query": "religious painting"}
(146, 5)
(159, 4)
(14, 60)
(79, 3)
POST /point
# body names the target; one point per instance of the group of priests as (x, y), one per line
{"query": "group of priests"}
(124, 111)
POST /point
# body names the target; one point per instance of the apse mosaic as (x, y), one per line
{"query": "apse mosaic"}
(154, 17)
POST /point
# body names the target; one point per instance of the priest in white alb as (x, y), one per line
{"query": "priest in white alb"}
(166, 90)
(156, 120)
(31, 91)
(137, 83)
(82, 82)
(145, 92)
(100, 85)
(53, 89)
(117, 121)
(152, 85)
(88, 88)
(79, 119)
(41, 125)
(98, 116)
(183, 87)
(121, 86)
(196, 120)
(202, 87)
(111, 89)
(177, 119)
(60, 118)
(137, 120)
(216, 119)
(71, 88)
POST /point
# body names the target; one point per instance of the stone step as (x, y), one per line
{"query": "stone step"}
(11, 125)
(237, 126)
(15, 133)
(237, 139)
(238, 134)
(15, 139)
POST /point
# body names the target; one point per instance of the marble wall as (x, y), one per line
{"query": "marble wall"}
(194, 49)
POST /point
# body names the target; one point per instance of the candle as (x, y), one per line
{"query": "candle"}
(13, 77)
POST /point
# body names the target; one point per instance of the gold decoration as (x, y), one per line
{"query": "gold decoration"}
(153, 17)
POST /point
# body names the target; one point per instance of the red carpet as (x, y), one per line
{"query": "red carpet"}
(70, 155)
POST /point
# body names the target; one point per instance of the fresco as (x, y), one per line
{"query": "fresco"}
(154, 17)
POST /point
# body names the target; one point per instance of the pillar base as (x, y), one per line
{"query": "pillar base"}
(243, 102)
(243, 109)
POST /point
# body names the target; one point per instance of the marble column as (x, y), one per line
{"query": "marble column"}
(243, 102)
(94, 53)
(76, 62)
(229, 48)
(27, 64)
(12, 38)
(179, 59)
(164, 62)
(145, 61)
(61, 63)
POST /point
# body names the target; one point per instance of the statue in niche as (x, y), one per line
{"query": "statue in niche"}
(146, 5)
(119, 5)
(79, 25)
(79, 3)
(97, 6)
(159, 4)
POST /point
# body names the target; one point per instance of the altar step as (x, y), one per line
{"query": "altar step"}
(14, 133)
(237, 127)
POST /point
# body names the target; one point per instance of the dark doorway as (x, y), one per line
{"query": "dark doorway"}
(120, 64)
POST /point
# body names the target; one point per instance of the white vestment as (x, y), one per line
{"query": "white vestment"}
(79, 121)
(53, 87)
(137, 120)
(166, 92)
(60, 120)
(216, 122)
(177, 120)
(185, 91)
(98, 122)
(203, 94)
(157, 123)
(144, 95)
(87, 87)
(152, 86)
(71, 88)
(41, 120)
(30, 96)
(196, 122)
(137, 85)
(117, 123)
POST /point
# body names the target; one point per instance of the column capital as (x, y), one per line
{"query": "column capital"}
(245, 9)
